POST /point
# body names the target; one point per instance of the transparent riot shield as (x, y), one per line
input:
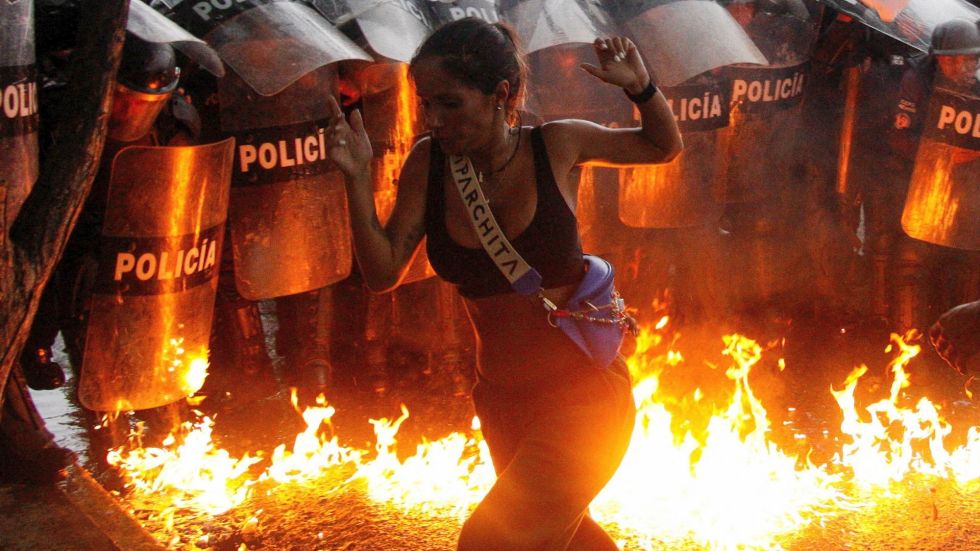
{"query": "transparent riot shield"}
(18, 106)
(269, 45)
(392, 121)
(682, 39)
(684, 192)
(152, 26)
(444, 11)
(908, 21)
(272, 46)
(392, 29)
(558, 88)
(765, 128)
(766, 104)
(289, 219)
(943, 201)
(150, 321)
(545, 23)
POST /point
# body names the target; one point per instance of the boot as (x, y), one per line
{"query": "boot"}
(301, 342)
(241, 369)
(28, 453)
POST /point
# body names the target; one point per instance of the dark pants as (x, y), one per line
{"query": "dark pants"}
(553, 449)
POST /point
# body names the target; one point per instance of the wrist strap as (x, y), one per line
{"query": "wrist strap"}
(524, 279)
(643, 96)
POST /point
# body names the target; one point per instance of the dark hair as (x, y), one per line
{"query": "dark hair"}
(480, 54)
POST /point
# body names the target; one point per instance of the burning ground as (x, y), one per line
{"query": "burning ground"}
(751, 445)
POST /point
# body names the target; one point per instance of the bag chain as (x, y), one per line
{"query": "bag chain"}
(618, 307)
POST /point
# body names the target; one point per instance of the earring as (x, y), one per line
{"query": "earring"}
(499, 107)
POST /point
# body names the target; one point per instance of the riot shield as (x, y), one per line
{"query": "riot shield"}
(765, 128)
(444, 11)
(943, 201)
(545, 23)
(684, 192)
(18, 106)
(908, 21)
(392, 29)
(558, 88)
(151, 26)
(288, 215)
(150, 320)
(766, 105)
(685, 38)
(269, 45)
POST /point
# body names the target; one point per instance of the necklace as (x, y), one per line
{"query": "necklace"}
(513, 154)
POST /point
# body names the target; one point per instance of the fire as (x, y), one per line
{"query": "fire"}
(728, 488)
(191, 377)
(193, 473)
(402, 134)
(724, 484)
(312, 453)
(892, 441)
(444, 477)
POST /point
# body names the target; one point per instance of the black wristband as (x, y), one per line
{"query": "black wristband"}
(643, 96)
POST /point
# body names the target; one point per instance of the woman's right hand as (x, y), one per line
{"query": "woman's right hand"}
(348, 143)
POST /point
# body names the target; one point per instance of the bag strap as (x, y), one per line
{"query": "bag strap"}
(523, 278)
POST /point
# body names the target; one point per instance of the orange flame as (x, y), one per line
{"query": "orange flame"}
(889, 443)
(732, 489)
(402, 134)
(728, 486)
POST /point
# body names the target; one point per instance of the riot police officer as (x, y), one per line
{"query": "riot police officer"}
(145, 83)
(914, 280)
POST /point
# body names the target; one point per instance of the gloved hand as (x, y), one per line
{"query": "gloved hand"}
(956, 335)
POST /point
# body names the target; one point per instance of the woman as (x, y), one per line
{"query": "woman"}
(557, 427)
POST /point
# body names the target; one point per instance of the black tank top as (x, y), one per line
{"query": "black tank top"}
(550, 243)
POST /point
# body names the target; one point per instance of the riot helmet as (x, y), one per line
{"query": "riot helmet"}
(956, 46)
(742, 10)
(147, 76)
(955, 37)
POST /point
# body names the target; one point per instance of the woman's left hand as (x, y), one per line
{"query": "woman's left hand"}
(620, 64)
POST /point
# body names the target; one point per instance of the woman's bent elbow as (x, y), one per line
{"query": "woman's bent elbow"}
(673, 150)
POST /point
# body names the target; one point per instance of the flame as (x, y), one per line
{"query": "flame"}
(445, 477)
(191, 377)
(402, 135)
(193, 473)
(312, 453)
(892, 441)
(724, 484)
(730, 487)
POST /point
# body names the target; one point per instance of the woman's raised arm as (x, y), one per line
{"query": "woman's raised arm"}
(383, 254)
(657, 140)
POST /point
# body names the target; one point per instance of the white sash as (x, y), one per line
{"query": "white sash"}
(523, 278)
